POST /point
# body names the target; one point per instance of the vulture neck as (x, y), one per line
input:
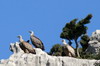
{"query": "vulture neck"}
(21, 40)
(32, 34)
(64, 43)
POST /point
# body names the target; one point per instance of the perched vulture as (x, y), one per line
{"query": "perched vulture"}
(25, 46)
(36, 41)
(68, 50)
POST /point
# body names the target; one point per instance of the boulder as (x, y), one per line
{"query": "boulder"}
(94, 43)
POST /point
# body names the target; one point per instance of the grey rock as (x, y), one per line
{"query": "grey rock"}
(94, 43)
(95, 35)
(41, 58)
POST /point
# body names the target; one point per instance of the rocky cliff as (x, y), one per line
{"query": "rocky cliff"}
(41, 58)
(94, 43)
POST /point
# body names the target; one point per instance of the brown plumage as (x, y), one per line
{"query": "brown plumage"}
(36, 41)
(25, 46)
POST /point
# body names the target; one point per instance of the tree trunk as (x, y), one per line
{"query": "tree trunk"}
(77, 52)
(70, 43)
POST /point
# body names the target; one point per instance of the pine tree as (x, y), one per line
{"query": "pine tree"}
(73, 30)
(84, 42)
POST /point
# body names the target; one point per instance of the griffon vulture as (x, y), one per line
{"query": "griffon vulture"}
(68, 49)
(36, 41)
(25, 46)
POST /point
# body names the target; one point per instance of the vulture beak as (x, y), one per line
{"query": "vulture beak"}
(18, 36)
(62, 40)
(30, 31)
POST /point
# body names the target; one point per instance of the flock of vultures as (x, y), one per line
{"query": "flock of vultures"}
(27, 47)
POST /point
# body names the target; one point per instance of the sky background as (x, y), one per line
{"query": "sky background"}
(45, 17)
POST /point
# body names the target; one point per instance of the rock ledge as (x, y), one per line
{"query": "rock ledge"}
(41, 58)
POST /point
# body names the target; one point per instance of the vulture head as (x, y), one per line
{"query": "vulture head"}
(31, 32)
(64, 42)
(19, 36)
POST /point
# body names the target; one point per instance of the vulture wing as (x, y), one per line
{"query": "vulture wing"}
(28, 47)
(37, 42)
(71, 50)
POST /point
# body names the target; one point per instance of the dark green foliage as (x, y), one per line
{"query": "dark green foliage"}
(86, 20)
(56, 50)
(87, 56)
(84, 55)
(84, 42)
(68, 30)
(73, 30)
(90, 56)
